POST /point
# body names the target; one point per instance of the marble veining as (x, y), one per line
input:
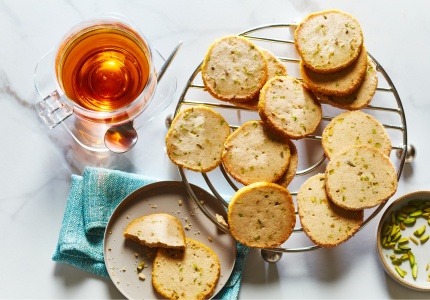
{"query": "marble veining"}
(36, 163)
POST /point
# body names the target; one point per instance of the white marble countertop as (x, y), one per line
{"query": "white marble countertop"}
(36, 164)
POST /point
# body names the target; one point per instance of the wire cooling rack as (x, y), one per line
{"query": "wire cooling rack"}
(386, 106)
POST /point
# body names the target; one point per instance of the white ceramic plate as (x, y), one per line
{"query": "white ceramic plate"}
(420, 251)
(123, 256)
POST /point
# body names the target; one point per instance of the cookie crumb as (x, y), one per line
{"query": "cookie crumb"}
(221, 220)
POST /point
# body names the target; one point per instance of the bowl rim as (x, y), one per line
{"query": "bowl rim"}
(381, 255)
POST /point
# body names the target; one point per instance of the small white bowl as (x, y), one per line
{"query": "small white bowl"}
(420, 251)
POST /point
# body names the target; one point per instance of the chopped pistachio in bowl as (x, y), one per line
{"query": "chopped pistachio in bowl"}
(403, 240)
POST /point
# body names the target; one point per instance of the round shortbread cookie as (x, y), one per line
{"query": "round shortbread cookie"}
(359, 98)
(252, 154)
(325, 223)
(189, 273)
(234, 69)
(354, 128)
(360, 177)
(156, 230)
(328, 41)
(275, 68)
(261, 215)
(196, 138)
(340, 83)
(288, 108)
(289, 175)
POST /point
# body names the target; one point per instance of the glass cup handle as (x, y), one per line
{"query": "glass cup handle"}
(52, 111)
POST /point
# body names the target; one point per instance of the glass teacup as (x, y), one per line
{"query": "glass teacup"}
(102, 75)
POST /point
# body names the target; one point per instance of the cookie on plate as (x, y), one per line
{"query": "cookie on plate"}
(234, 69)
(326, 224)
(339, 83)
(195, 139)
(360, 177)
(289, 175)
(261, 215)
(354, 128)
(288, 108)
(190, 273)
(328, 41)
(252, 154)
(156, 230)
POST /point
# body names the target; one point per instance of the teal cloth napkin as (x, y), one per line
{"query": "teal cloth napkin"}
(92, 199)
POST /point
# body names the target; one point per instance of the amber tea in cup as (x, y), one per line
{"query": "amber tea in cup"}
(101, 76)
(103, 67)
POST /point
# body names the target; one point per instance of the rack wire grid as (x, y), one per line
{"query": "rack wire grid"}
(386, 106)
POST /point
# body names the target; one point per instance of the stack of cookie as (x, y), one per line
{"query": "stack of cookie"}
(261, 155)
(235, 69)
(337, 69)
(331, 205)
(334, 62)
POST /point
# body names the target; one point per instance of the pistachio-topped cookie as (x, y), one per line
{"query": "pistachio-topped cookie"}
(275, 68)
(289, 108)
(252, 154)
(328, 41)
(359, 98)
(234, 69)
(190, 273)
(354, 128)
(261, 215)
(196, 137)
(156, 230)
(325, 223)
(360, 177)
(289, 175)
(339, 83)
